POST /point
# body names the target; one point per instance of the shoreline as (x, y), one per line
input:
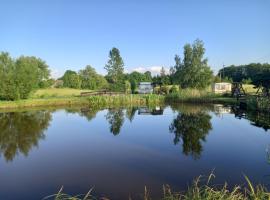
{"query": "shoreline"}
(106, 100)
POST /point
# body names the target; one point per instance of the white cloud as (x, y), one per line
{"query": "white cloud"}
(55, 73)
(154, 69)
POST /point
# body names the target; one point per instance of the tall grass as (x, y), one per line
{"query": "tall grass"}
(94, 101)
(261, 104)
(125, 100)
(201, 189)
(197, 96)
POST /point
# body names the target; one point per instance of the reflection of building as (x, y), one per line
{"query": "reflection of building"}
(220, 88)
(221, 109)
(145, 88)
(148, 111)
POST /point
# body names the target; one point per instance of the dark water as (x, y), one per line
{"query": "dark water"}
(119, 151)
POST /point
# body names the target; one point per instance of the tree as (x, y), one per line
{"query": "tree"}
(20, 131)
(255, 73)
(115, 69)
(164, 79)
(116, 119)
(71, 79)
(191, 128)
(91, 80)
(21, 76)
(8, 88)
(30, 74)
(193, 71)
(127, 87)
(148, 76)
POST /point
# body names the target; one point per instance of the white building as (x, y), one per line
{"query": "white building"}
(220, 88)
(145, 88)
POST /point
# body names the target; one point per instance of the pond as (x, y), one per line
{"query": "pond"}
(118, 151)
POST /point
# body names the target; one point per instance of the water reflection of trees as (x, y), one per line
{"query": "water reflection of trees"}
(20, 131)
(191, 128)
(258, 119)
(130, 113)
(115, 118)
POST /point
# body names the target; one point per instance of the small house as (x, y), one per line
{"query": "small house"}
(145, 88)
(221, 88)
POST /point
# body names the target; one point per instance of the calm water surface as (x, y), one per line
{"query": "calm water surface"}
(119, 151)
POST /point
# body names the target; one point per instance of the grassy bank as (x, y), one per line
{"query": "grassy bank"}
(198, 96)
(56, 92)
(96, 101)
(261, 104)
(199, 190)
(71, 97)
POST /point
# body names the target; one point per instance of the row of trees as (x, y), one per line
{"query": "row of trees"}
(192, 71)
(255, 73)
(18, 77)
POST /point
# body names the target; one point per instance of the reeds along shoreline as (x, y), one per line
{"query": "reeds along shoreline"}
(96, 101)
(201, 189)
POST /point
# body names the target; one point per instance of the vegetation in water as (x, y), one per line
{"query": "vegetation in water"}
(201, 189)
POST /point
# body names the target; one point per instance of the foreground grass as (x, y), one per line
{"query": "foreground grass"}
(199, 190)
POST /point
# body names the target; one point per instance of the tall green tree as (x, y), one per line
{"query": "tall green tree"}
(21, 76)
(193, 71)
(115, 69)
(8, 87)
(91, 80)
(30, 73)
(71, 79)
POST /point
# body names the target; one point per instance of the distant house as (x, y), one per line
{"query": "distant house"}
(220, 88)
(145, 88)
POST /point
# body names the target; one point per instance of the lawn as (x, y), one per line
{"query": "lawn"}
(56, 92)
(249, 89)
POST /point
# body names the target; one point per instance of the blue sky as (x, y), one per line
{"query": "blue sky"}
(71, 34)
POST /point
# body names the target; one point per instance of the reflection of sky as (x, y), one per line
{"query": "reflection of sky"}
(80, 154)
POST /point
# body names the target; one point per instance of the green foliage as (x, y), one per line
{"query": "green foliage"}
(115, 118)
(174, 89)
(191, 129)
(71, 80)
(127, 87)
(20, 131)
(255, 73)
(193, 71)
(91, 80)
(115, 67)
(18, 78)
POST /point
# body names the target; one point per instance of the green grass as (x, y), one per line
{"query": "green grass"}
(249, 88)
(197, 96)
(56, 92)
(94, 101)
(201, 189)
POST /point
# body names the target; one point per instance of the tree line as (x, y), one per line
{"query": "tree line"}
(254, 73)
(19, 77)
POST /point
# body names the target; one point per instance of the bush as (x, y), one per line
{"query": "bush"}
(174, 89)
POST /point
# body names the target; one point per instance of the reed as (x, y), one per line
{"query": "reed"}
(197, 96)
(261, 104)
(92, 101)
(201, 189)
